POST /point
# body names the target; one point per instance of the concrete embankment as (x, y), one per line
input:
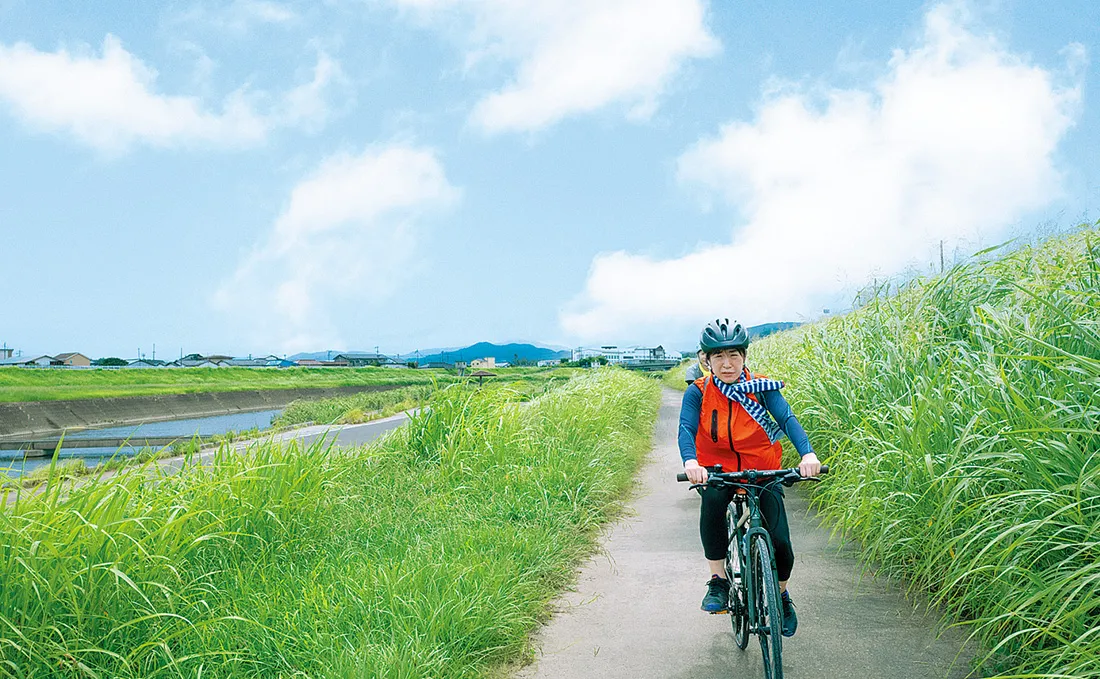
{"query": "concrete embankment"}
(44, 418)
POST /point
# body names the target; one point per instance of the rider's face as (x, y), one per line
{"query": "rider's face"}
(727, 364)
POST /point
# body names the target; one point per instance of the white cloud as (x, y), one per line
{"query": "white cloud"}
(238, 16)
(345, 240)
(261, 10)
(953, 142)
(575, 57)
(308, 104)
(109, 101)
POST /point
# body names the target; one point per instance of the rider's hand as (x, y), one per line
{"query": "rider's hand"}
(809, 466)
(695, 473)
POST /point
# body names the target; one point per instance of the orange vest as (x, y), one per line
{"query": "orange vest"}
(728, 435)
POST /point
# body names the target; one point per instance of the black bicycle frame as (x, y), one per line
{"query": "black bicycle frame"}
(750, 502)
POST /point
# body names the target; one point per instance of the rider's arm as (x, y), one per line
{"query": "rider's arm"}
(689, 422)
(781, 411)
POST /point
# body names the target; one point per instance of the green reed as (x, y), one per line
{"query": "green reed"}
(430, 554)
(961, 416)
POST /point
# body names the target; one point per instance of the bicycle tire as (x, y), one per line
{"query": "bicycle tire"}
(770, 615)
(739, 612)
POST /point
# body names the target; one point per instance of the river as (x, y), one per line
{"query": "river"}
(14, 465)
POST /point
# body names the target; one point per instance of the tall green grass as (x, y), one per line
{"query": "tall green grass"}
(354, 409)
(431, 554)
(961, 416)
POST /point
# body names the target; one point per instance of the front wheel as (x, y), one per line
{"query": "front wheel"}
(739, 612)
(769, 613)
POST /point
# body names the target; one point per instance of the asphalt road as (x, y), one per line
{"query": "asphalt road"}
(635, 613)
(346, 435)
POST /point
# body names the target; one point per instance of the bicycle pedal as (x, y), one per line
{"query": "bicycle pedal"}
(725, 612)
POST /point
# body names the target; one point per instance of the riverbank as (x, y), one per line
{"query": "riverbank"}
(48, 418)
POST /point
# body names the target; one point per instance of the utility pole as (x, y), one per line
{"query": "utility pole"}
(154, 351)
(941, 255)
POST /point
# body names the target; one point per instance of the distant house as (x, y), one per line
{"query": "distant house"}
(437, 365)
(549, 362)
(200, 361)
(360, 359)
(144, 363)
(31, 362)
(314, 363)
(487, 363)
(247, 362)
(75, 359)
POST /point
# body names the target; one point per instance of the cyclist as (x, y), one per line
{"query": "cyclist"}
(722, 422)
(696, 370)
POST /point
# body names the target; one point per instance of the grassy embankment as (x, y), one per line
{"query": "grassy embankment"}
(353, 409)
(961, 417)
(18, 384)
(432, 554)
(374, 405)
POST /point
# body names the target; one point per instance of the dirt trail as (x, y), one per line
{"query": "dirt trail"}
(635, 611)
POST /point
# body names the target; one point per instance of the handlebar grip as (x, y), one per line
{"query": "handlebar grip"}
(681, 477)
(824, 469)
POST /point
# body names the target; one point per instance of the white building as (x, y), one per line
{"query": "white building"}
(626, 355)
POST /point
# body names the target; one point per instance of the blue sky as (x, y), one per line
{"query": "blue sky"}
(252, 176)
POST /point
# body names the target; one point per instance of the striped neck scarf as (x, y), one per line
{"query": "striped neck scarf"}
(753, 385)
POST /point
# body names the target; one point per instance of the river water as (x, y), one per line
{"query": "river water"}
(13, 464)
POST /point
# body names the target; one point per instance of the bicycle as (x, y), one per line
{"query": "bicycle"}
(754, 605)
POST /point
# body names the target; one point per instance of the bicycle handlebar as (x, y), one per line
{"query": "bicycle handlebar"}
(751, 475)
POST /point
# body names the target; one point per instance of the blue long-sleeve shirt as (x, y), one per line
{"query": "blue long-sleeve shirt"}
(773, 401)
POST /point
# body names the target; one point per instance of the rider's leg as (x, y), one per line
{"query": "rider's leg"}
(712, 530)
(775, 521)
(712, 527)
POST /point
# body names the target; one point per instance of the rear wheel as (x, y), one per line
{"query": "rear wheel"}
(769, 613)
(739, 613)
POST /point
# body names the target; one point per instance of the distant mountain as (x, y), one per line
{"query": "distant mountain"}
(765, 329)
(506, 353)
(503, 353)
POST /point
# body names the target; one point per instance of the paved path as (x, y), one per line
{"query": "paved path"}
(340, 435)
(635, 610)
